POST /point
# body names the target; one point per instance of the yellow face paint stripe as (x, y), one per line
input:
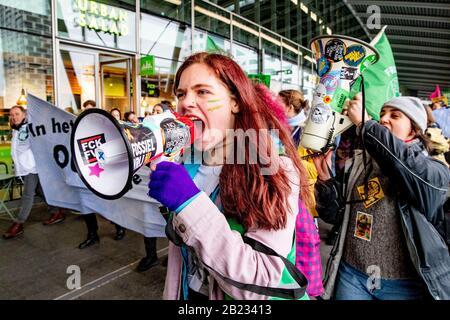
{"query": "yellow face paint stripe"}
(215, 108)
(213, 100)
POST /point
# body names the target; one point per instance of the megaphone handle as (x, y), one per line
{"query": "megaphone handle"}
(329, 145)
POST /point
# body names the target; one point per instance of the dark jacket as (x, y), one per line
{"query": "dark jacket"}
(422, 185)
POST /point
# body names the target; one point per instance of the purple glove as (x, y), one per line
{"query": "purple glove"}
(171, 185)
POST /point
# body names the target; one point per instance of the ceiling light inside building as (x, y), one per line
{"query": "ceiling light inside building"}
(22, 101)
(212, 14)
(304, 8)
(175, 2)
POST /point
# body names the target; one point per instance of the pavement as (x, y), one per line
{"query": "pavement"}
(45, 262)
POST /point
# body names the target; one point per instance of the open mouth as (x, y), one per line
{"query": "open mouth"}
(197, 122)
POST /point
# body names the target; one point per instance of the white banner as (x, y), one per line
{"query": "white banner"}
(50, 129)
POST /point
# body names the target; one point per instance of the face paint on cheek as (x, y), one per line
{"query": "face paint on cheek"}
(215, 108)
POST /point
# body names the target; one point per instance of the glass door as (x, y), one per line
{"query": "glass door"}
(88, 74)
(76, 77)
(115, 78)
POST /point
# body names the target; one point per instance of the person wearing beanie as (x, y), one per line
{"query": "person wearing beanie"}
(390, 209)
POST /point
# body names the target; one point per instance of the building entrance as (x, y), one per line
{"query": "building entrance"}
(88, 74)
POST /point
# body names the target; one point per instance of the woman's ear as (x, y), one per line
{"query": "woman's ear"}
(234, 107)
(411, 135)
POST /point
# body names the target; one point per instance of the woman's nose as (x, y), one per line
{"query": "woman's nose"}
(187, 102)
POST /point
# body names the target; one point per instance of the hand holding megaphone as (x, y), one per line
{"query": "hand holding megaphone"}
(339, 60)
(353, 109)
(171, 185)
(322, 162)
(107, 153)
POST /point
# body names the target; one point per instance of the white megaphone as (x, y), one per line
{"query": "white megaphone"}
(107, 152)
(339, 61)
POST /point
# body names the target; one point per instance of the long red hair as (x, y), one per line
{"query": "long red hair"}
(253, 199)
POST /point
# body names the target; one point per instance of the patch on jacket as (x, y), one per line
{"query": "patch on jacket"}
(374, 194)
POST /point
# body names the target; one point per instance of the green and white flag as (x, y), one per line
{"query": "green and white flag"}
(380, 79)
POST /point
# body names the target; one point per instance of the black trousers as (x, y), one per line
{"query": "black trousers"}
(150, 247)
(92, 224)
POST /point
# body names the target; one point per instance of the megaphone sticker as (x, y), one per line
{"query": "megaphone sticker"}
(143, 144)
(335, 50)
(175, 136)
(320, 114)
(354, 55)
(323, 66)
(88, 145)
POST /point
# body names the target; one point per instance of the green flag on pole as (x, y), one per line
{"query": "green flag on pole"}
(380, 79)
(212, 46)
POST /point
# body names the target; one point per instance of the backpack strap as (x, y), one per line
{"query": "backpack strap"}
(284, 293)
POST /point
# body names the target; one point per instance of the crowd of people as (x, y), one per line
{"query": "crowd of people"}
(384, 188)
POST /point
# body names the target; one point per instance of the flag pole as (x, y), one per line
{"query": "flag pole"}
(378, 36)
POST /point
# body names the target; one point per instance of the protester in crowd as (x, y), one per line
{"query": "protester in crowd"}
(442, 118)
(294, 102)
(116, 114)
(70, 110)
(431, 122)
(88, 104)
(169, 105)
(159, 108)
(151, 258)
(25, 168)
(343, 152)
(438, 143)
(130, 116)
(436, 106)
(390, 212)
(220, 238)
(91, 219)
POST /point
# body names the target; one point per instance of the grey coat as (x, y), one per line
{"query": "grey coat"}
(422, 184)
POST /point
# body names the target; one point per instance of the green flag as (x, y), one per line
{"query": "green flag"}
(261, 78)
(212, 46)
(380, 79)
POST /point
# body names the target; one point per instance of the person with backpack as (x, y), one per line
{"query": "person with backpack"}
(232, 226)
(390, 210)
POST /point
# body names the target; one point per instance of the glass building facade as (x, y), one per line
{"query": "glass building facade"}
(124, 53)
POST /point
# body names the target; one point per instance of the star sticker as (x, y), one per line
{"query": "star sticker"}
(95, 170)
